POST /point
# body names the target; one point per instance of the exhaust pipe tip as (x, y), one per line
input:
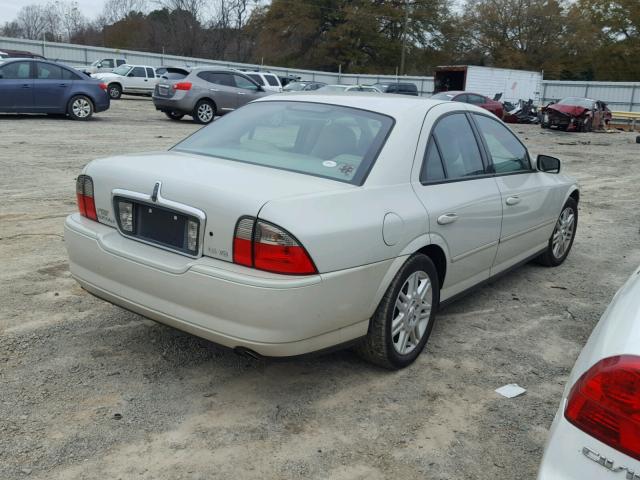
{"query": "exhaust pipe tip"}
(247, 353)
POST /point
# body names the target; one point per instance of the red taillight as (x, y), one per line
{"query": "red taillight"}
(84, 196)
(103, 86)
(182, 86)
(605, 403)
(242, 242)
(268, 247)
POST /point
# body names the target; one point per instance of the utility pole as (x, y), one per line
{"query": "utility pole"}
(404, 36)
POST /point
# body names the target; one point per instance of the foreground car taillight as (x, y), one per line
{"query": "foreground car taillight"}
(605, 403)
(265, 246)
(182, 86)
(84, 196)
(103, 86)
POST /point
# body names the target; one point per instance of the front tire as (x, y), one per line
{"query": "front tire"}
(402, 323)
(80, 108)
(562, 237)
(204, 112)
(115, 91)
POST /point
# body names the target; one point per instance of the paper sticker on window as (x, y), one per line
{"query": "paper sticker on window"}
(329, 163)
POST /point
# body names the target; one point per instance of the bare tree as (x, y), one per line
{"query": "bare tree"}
(31, 20)
(71, 19)
(116, 10)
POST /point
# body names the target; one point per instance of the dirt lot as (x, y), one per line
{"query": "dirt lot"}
(88, 390)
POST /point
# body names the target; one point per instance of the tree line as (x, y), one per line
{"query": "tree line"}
(567, 39)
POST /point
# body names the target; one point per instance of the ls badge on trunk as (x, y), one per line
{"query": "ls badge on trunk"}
(156, 191)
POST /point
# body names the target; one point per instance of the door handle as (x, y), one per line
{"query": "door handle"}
(513, 200)
(214, 89)
(146, 80)
(26, 85)
(62, 84)
(241, 93)
(447, 218)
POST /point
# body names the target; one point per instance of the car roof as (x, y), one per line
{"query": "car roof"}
(392, 105)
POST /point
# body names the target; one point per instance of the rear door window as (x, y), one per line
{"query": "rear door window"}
(16, 71)
(218, 78)
(151, 73)
(432, 168)
(46, 71)
(458, 147)
(69, 75)
(507, 153)
(120, 62)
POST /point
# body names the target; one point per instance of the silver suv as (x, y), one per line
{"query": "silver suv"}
(204, 92)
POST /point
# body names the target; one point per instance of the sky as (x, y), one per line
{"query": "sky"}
(9, 8)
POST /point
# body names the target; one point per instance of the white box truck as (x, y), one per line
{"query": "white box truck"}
(514, 85)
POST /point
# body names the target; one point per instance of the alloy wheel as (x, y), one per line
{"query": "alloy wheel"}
(411, 313)
(563, 233)
(205, 113)
(81, 108)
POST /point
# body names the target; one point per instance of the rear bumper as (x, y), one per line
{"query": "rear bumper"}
(273, 315)
(571, 454)
(102, 104)
(183, 105)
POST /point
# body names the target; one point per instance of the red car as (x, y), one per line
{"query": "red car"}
(474, 99)
(576, 114)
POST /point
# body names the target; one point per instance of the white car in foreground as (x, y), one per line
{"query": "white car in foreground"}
(305, 221)
(596, 432)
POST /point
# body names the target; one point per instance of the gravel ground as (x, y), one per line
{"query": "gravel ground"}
(88, 390)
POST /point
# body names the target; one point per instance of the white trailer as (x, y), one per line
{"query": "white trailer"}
(514, 85)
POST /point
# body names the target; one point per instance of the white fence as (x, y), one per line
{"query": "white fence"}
(623, 96)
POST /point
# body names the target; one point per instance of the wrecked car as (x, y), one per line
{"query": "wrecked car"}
(522, 112)
(576, 114)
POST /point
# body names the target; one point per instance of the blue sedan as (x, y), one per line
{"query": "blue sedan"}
(40, 86)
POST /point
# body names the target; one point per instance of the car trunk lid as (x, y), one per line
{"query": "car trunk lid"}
(223, 190)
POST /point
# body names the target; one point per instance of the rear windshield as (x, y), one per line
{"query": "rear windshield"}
(443, 96)
(295, 87)
(174, 74)
(329, 141)
(577, 102)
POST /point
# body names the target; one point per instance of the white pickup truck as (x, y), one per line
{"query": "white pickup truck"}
(101, 66)
(129, 79)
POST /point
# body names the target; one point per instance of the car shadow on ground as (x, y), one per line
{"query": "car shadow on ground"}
(44, 116)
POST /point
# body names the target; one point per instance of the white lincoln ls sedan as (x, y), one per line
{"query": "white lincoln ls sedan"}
(596, 432)
(306, 221)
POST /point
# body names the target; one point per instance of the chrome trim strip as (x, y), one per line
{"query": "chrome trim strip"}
(528, 230)
(162, 202)
(474, 251)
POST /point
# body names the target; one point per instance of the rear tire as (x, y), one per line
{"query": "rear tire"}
(174, 115)
(564, 233)
(204, 112)
(115, 91)
(402, 323)
(80, 108)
